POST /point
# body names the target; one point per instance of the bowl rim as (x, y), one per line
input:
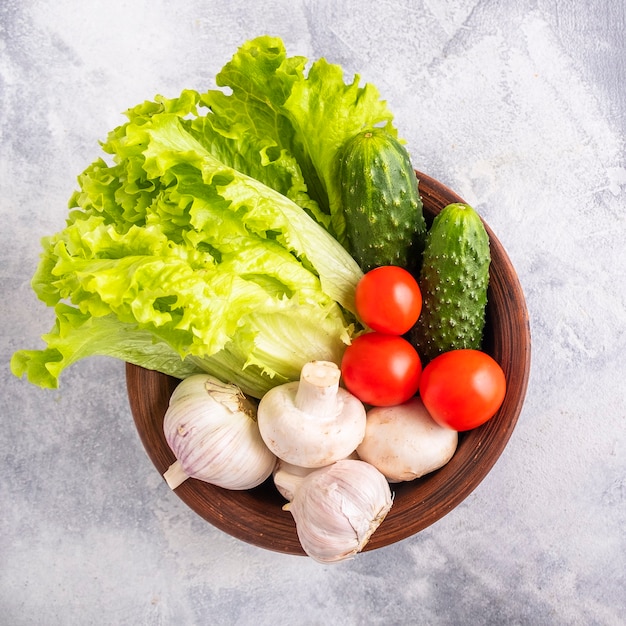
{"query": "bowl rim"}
(256, 517)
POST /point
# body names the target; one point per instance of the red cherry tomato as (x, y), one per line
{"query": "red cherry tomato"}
(388, 300)
(462, 389)
(381, 370)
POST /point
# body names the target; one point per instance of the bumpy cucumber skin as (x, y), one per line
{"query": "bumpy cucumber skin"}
(385, 223)
(454, 278)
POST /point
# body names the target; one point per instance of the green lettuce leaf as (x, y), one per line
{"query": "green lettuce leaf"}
(77, 335)
(310, 116)
(176, 261)
(207, 237)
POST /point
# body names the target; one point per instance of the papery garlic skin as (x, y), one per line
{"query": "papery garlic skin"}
(212, 430)
(338, 507)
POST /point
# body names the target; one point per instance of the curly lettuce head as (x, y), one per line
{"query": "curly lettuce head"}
(205, 243)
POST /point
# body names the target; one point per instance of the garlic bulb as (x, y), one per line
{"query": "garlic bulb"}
(212, 430)
(338, 507)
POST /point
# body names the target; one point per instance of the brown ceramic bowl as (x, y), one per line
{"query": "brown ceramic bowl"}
(256, 516)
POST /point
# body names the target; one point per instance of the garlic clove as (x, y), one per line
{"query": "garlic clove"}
(337, 509)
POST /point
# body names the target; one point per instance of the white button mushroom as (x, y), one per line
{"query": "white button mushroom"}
(287, 477)
(313, 422)
(404, 442)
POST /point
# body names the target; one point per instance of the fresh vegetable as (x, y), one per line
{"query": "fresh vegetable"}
(385, 224)
(211, 428)
(189, 252)
(381, 370)
(291, 125)
(462, 389)
(338, 507)
(454, 280)
(313, 422)
(388, 300)
(404, 442)
(287, 477)
(214, 235)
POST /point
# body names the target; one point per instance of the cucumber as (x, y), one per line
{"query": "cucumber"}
(453, 279)
(383, 210)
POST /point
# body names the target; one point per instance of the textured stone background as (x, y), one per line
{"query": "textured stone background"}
(518, 105)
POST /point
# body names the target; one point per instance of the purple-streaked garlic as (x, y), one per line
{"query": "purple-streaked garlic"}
(212, 430)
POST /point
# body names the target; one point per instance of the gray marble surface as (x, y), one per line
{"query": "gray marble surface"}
(518, 105)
